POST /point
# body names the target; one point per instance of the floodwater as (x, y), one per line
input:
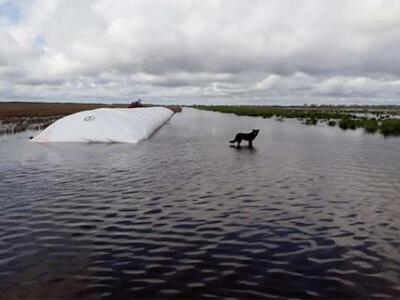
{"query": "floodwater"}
(310, 212)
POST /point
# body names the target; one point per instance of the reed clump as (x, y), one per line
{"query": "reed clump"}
(371, 126)
(347, 122)
(311, 121)
(390, 127)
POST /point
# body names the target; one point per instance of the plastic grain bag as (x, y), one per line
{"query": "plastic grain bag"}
(120, 125)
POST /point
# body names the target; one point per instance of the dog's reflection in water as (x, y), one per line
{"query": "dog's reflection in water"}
(247, 149)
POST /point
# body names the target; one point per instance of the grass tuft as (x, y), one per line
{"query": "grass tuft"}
(371, 126)
(390, 127)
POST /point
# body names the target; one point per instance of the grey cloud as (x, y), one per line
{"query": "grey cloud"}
(38, 82)
(229, 51)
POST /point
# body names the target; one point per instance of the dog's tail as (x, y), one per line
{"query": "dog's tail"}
(233, 141)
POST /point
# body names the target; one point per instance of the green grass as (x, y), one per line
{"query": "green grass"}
(347, 122)
(333, 115)
(390, 127)
(371, 126)
(311, 121)
(270, 111)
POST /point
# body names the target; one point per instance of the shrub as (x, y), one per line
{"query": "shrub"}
(332, 123)
(311, 121)
(371, 126)
(347, 123)
(390, 127)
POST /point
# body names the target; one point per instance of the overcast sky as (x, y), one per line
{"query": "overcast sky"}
(208, 51)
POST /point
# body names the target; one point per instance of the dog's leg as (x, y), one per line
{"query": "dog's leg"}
(250, 144)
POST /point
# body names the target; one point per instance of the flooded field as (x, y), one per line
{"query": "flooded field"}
(310, 212)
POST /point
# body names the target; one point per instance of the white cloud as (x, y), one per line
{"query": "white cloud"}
(193, 51)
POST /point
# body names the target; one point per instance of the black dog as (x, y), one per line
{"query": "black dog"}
(245, 136)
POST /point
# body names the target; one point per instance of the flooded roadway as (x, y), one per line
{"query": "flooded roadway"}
(309, 212)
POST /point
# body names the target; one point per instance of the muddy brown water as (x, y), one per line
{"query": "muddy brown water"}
(310, 212)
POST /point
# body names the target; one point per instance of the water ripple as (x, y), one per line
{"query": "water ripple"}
(309, 213)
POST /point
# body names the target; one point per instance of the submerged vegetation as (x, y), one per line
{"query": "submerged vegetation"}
(311, 121)
(270, 111)
(332, 123)
(371, 118)
(371, 126)
(390, 127)
(347, 122)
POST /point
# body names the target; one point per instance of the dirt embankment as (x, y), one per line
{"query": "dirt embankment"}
(20, 109)
(28, 109)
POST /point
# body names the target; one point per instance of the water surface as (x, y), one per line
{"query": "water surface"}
(310, 212)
